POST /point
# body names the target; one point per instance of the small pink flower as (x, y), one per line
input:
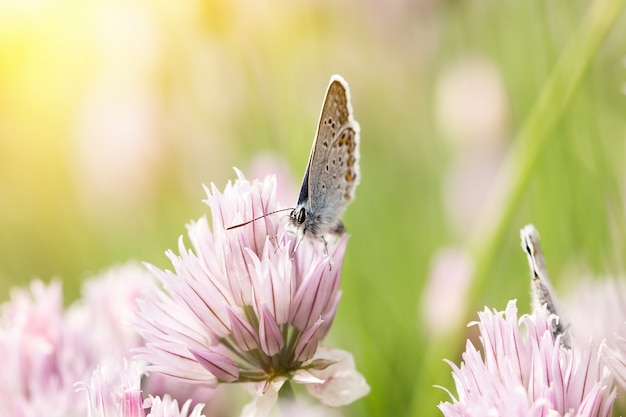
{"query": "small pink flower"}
(35, 376)
(444, 297)
(240, 307)
(99, 320)
(275, 164)
(533, 375)
(471, 104)
(342, 383)
(597, 310)
(45, 349)
(115, 391)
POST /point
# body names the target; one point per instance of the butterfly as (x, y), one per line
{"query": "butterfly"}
(332, 173)
(542, 291)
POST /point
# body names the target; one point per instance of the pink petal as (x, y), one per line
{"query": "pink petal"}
(312, 297)
(307, 345)
(132, 404)
(265, 397)
(168, 407)
(243, 332)
(343, 384)
(329, 315)
(274, 283)
(271, 338)
(302, 376)
(221, 366)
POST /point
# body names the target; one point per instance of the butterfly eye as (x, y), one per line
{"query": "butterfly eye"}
(301, 216)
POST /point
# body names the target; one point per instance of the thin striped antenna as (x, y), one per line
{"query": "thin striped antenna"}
(257, 218)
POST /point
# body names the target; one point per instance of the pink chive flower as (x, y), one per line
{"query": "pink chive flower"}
(240, 307)
(46, 349)
(597, 310)
(528, 373)
(615, 359)
(36, 375)
(115, 391)
(101, 316)
(443, 298)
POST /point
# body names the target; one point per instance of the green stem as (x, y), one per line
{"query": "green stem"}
(286, 391)
(553, 102)
(286, 396)
(490, 233)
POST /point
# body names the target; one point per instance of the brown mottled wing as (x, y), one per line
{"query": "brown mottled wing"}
(334, 164)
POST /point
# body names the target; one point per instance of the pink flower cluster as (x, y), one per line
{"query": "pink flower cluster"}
(240, 306)
(528, 375)
(46, 349)
(115, 391)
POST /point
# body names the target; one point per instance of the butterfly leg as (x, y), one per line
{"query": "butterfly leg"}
(330, 260)
(280, 238)
(323, 239)
(338, 228)
(299, 238)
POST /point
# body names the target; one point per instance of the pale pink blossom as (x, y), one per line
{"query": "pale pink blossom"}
(443, 298)
(166, 407)
(274, 164)
(615, 359)
(471, 103)
(115, 391)
(468, 183)
(101, 317)
(37, 375)
(240, 306)
(159, 385)
(472, 111)
(118, 147)
(46, 349)
(528, 373)
(342, 383)
(596, 309)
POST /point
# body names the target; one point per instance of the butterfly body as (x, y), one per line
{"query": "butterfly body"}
(332, 173)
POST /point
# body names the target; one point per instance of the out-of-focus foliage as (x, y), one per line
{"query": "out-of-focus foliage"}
(113, 114)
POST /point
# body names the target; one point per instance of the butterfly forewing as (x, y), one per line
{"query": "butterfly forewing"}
(332, 173)
(333, 170)
(338, 174)
(336, 112)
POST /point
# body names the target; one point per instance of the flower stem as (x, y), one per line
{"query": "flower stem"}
(491, 231)
(553, 102)
(286, 391)
(286, 396)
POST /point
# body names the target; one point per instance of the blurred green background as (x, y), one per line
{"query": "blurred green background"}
(114, 113)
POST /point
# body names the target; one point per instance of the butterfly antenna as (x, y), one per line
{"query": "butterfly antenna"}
(257, 218)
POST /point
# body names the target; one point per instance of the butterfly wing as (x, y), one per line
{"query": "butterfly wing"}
(333, 171)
